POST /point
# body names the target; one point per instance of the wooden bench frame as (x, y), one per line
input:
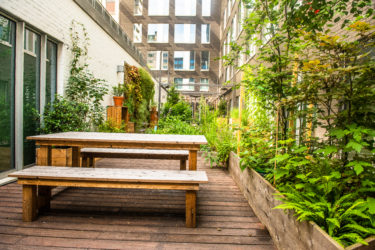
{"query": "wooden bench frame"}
(37, 188)
(89, 154)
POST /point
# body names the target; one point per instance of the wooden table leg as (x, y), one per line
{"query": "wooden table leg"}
(44, 198)
(76, 157)
(191, 210)
(193, 159)
(183, 164)
(29, 203)
(45, 156)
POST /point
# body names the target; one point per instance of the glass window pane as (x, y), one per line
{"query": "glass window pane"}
(31, 92)
(158, 7)
(153, 59)
(184, 33)
(51, 72)
(137, 33)
(184, 60)
(164, 65)
(205, 82)
(188, 82)
(185, 7)
(138, 7)
(205, 33)
(205, 60)
(206, 7)
(157, 33)
(7, 53)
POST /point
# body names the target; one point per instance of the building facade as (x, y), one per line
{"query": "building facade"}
(35, 62)
(179, 39)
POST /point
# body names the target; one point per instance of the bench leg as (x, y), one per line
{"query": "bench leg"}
(84, 161)
(44, 198)
(92, 161)
(191, 207)
(193, 159)
(182, 164)
(29, 203)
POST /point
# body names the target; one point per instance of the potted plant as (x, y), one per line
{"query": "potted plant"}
(118, 92)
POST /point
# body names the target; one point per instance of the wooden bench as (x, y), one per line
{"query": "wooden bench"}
(89, 155)
(45, 177)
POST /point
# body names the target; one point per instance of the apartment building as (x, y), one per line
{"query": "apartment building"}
(179, 39)
(233, 15)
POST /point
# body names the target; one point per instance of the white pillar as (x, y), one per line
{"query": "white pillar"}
(20, 29)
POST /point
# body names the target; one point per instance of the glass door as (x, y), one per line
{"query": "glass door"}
(31, 93)
(7, 53)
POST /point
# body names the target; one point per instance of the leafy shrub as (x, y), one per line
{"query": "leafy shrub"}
(64, 115)
(174, 125)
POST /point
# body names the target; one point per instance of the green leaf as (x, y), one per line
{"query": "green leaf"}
(371, 205)
(299, 186)
(327, 150)
(280, 173)
(354, 145)
(339, 133)
(358, 166)
(279, 158)
(336, 174)
(334, 222)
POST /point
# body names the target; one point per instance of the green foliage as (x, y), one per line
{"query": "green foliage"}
(147, 86)
(118, 90)
(174, 125)
(139, 92)
(222, 108)
(64, 115)
(82, 86)
(306, 77)
(175, 106)
(108, 127)
(348, 218)
(219, 135)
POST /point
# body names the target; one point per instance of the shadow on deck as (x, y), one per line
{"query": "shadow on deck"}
(82, 218)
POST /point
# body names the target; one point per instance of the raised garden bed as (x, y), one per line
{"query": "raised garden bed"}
(287, 233)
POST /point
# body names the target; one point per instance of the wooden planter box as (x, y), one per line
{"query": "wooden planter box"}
(286, 232)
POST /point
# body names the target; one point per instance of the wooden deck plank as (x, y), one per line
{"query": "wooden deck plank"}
(135, 219)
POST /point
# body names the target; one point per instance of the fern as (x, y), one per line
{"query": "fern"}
(347, 218)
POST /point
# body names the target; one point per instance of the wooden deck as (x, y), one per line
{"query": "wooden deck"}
(87, 218)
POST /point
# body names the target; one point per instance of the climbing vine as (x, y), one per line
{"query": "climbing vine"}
(82, 86)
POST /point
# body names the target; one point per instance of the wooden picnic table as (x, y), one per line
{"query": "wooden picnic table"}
(78, 140)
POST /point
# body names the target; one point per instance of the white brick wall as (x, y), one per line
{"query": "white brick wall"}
(54, 17)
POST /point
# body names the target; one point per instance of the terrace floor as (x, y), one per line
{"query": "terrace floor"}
(82, 218)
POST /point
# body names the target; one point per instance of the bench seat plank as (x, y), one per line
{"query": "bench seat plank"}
(135, 151)
(112, 174)
(89, 155)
